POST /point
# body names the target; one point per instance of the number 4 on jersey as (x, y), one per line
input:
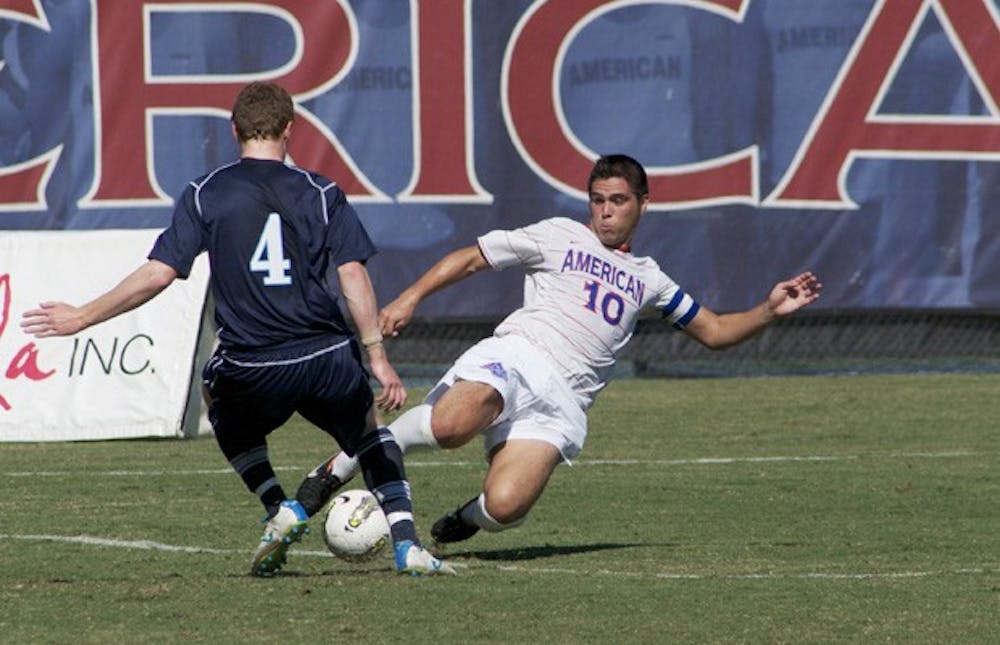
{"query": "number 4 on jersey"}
(269, 255)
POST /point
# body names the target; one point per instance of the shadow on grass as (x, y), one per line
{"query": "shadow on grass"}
(547, 551)
(382, 565)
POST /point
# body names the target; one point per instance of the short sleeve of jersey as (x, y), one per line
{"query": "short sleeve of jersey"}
(519, 247)
(346, 237)
(675, 305)
(181, 242)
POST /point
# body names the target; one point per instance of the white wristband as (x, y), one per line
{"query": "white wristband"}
(371, 341)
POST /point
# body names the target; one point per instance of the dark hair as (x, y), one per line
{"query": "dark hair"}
(262, 111)
(622, 166)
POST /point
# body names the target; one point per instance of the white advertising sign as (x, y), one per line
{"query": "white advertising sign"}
(126, 377)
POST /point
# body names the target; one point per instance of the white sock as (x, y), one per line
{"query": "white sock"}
(345, 467)
(477, 515)
(411, 430)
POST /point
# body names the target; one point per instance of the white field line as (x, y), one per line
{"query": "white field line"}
(769, 575)
(704, 461)
(149, 545)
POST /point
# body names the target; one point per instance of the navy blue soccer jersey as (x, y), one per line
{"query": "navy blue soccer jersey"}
(272, 232)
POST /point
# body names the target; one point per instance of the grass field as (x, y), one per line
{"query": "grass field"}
(767, 510)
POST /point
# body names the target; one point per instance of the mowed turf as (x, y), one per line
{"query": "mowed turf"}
(759, 510)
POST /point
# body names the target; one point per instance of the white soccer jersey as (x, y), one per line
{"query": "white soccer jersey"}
(581, 300)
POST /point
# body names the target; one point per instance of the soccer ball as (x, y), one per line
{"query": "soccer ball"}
(356, 529)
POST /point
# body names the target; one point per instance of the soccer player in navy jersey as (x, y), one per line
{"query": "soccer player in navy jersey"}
(527, 388)
(276, 235)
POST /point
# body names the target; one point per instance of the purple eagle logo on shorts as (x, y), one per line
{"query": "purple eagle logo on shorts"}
(496, 369)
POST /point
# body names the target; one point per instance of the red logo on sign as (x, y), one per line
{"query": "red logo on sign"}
(25, 361)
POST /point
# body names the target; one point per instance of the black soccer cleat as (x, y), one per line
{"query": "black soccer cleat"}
(317, 489)
(451, 527)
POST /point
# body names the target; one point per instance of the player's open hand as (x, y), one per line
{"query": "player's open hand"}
(791, 295)
(53, 319)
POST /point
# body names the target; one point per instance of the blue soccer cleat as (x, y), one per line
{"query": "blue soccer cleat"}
(287, 526)
(415, 560)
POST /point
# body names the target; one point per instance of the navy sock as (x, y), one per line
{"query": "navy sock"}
(381, 462)
(254, 468)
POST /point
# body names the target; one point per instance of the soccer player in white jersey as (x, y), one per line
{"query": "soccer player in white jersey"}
(527, 388)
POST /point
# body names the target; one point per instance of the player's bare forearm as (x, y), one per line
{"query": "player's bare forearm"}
(720, 331)
(62, 319)
(359, 295)
(447, 271)
(356, 287)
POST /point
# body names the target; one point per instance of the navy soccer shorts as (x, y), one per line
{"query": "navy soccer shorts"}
(254, 393)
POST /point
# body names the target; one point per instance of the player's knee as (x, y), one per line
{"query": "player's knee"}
(447, 432)
(507, 505)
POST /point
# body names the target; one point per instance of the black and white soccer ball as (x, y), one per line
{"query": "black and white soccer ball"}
(356, 529)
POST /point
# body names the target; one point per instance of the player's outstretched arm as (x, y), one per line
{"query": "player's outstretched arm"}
(61, 319)
(356, 286)
(448, 270)
(788, 296)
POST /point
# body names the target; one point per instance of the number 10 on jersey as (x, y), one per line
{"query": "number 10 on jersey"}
(612, 305)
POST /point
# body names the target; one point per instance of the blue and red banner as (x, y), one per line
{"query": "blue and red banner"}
(856, 138)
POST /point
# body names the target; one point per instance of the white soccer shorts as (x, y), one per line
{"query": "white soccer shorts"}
(538, 403)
